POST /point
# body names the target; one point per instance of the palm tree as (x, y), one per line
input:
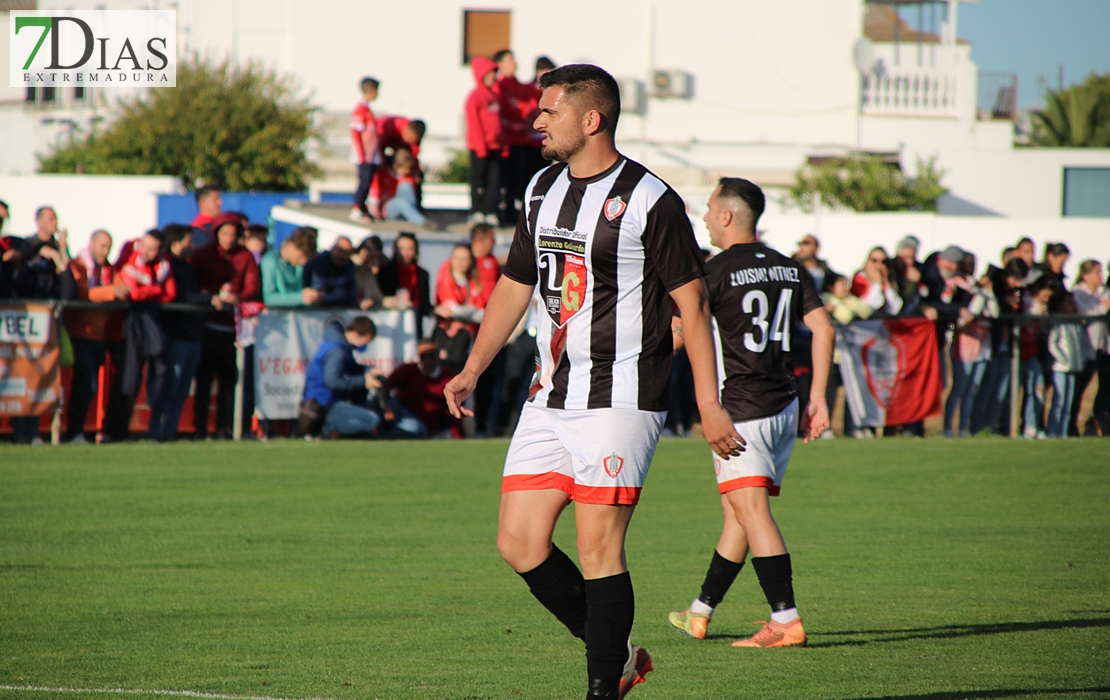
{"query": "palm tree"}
(1078, 117)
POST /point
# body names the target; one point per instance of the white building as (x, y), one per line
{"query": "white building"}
(710, 87)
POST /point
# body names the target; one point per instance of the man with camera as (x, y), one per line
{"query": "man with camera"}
(340, 394)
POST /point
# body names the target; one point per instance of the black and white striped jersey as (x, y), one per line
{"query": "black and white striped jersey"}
(604, 253)
(757, 296)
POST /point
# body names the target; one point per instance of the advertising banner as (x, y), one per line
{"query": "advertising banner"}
(30, 360)
(285, 341)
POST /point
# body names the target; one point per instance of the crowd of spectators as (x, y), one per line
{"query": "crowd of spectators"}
(971, 307)
(163, 332)
(220, 261)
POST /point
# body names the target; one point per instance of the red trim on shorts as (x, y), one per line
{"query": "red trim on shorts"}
(607, 495)
(748, 482)
(538, 482)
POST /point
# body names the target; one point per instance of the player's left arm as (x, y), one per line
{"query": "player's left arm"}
(693, 306)
(676, 333)
(815, 417)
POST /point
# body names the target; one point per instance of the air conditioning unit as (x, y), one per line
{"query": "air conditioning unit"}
(633, 96)
(672, 83)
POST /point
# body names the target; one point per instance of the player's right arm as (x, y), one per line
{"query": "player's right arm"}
(507, 305)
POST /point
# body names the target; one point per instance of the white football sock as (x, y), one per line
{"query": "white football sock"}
(785, 616)
(700, 608)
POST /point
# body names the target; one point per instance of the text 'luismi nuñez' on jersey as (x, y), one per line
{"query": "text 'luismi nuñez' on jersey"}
(760, 275)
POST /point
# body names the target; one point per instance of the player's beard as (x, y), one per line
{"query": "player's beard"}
(565, 151)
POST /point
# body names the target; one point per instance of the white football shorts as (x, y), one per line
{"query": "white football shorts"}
(598, 456)
(763, 463)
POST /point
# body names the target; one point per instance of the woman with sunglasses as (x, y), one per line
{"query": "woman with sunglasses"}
(873, 285)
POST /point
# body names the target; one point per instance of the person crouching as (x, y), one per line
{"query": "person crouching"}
(339, 393)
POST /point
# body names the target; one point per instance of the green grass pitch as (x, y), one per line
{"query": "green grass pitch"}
(924, 570)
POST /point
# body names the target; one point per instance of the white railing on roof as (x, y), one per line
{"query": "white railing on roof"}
(909, 93)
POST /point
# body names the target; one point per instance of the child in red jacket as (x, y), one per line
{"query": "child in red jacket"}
(484, 140)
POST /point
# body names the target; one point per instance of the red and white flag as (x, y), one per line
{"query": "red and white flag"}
(891, 370)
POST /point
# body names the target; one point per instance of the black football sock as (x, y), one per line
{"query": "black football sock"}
(557, 584)
(722, 572)
(777, 579)
(612, 605)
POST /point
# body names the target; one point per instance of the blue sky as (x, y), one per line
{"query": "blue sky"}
(1033, 37)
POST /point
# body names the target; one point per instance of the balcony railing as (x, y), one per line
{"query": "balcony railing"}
(997, 95)
(909, 93)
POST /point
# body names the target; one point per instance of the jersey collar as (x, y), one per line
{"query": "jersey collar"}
(596, 178)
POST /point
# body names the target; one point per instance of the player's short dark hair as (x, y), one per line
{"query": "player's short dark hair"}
(40, 210)
(258, 231)
(419, 128)
(746, 190)
(544, 63)
(4, 204)
(501, 54)
(479, 229)
(203, 192)
(1023, 241)
(368, 82)
(592, 88)
(363, 326)
(157, 235)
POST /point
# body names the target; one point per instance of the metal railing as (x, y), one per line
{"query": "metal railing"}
(998, 96)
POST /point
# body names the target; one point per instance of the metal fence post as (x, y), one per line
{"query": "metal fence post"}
(237, 425)
(1015, 375)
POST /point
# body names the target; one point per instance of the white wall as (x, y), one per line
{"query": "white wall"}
(779, 72)
(123, 205)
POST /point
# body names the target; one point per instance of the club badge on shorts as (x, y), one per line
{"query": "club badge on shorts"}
(613, 465)
(614, 207)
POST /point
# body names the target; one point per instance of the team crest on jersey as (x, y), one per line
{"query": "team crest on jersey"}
(563, 277)
(614, 207)
(613, 465)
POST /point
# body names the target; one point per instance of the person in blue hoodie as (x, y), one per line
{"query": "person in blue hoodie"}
(342, 387)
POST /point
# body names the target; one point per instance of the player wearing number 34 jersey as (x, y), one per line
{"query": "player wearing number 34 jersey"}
(757, 295)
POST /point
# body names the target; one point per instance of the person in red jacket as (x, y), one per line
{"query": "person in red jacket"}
(364, 147)
(484, 140)
(516, 101)
(146, 271)
(459, 295)
(227, 269)
(398, 132)
(416, 391)
(485, 262)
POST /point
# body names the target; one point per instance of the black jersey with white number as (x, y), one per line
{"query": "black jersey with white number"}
(603, 253)
(757, 296)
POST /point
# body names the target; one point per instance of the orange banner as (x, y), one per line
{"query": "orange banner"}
(30, 360)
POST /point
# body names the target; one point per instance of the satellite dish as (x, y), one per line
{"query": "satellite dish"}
(864, 54)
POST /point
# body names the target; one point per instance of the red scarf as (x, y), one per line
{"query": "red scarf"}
(407, 278)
